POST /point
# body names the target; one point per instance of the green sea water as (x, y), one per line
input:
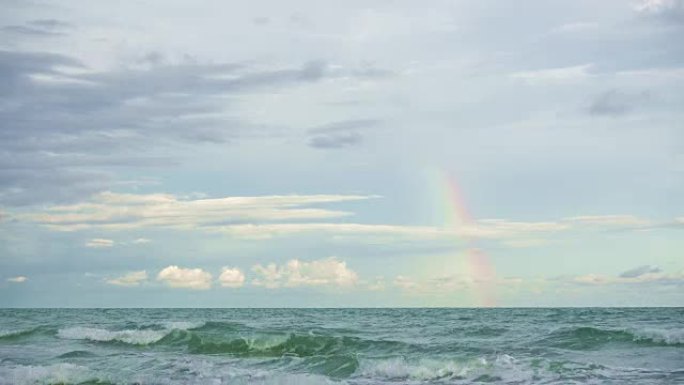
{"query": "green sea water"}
(342, 346)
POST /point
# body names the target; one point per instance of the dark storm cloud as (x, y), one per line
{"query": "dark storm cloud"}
(639, 271)
(340, 134)
(60, 128)
(615, 103)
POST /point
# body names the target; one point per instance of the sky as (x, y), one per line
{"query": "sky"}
(465, 153)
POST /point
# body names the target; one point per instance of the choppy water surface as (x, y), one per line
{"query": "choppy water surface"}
(343, 346)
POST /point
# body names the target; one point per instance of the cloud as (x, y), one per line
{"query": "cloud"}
(135, 113)
(453, 283)
(17, 279)
(97, 243)
(639, 271)
(340, 134)
(134, 278)
(614, 103)
(337, 140)
(577, 27)
(562, 75)
(114, 211)
(231, 277)
(141, 241)
(39, 28)
(608, 220)
(484, 229)
(670, 10)
(295, 273)
(640, 275)
(177, 277)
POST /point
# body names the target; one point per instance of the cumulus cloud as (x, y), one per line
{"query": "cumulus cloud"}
(17, 279)
(134, 278)
(231, 277)
(98, 243)
(323, 272)
(177, 277)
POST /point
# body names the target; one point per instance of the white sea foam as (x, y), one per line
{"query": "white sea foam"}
(666, 336)
(52, 374)
(183, 325)
(7, 333)
(134, 337)
(503, 366)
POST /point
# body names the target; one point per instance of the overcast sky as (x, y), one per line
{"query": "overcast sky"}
(355, 153)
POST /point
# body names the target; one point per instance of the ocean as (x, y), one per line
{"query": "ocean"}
(342, 346)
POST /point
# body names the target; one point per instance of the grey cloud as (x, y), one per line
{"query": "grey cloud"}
(341, 140)
(639, 271)
(41, 27)
(56, 126)
(340, 134)
(261, 20)
(663, 10)
(615, 103)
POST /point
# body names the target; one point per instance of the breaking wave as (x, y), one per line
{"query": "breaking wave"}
(588, 338)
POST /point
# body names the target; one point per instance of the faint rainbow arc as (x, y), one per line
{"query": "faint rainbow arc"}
(455, 214)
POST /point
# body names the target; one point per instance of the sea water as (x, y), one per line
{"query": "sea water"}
(342, 346)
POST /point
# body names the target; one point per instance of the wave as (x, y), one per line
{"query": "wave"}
(52, 374)
(12, 335)
(589, 338)
(143, 336)
(133, 337)
(274, 345)
(665, 336)
(481, 369)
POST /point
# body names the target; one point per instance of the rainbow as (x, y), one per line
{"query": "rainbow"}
(453, 212)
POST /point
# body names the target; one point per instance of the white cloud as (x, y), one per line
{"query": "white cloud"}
(141, 241)
(486, 228)
(554, 75)
(114, 211)
(133, 278)
(377, 285)
(608, 220)
(17, 279)
(178, 277)
(232, 277)
(452, 283)
(577, 27)
(323, 272)
(98, 243)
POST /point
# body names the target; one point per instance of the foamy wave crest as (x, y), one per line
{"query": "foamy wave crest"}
(665, 336)
(12, 333)
(481, 369)
(52, 374)
(183, 325)
(133, 337)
